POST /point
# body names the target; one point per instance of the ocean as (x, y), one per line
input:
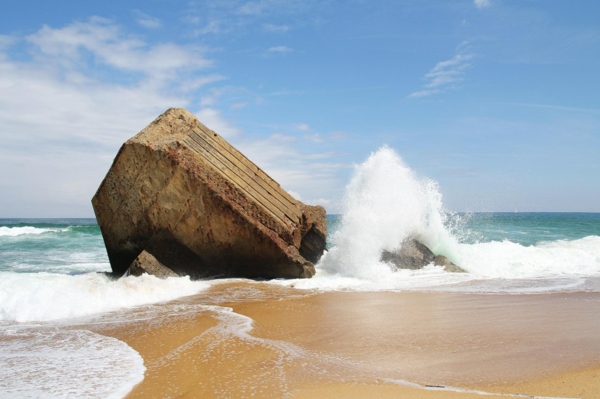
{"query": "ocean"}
(52, 285)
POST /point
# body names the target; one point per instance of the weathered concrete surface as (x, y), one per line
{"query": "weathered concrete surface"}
(181, 193)
(414, 255)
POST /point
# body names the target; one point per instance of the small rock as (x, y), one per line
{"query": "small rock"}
(414, 255)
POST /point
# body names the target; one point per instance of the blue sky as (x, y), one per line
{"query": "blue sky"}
(496, 100)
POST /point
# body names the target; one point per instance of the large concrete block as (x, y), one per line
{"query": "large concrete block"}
(180, 180)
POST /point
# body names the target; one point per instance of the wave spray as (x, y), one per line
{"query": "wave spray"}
(385, 203)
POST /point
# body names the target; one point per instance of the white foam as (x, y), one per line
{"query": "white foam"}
(45, 296)
(509, 260)
(26, 230)
(498, 267)
(48, 363)
(428, 278)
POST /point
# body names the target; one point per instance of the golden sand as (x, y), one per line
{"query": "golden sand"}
(358, 345)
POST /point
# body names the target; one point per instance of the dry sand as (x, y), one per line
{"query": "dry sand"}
(280, 342)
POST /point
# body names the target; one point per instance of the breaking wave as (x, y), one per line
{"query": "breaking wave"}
(386, 202)
(27, 230)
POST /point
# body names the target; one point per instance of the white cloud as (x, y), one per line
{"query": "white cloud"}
(237, 17)
(6, 41)
(211, 98)
(212, 118)
(279, 49)
(62, 122)
(424, 93)
(449, 71)
(275, 28)
(253, 7)
(111, 46)
(146, 20)
(315, 138)
(303, 126)
(208, 101)
(215, 26)
(295, 195)
(482, 3)
(196, 83)
(445, 74)
(239, 105)
(320, 201)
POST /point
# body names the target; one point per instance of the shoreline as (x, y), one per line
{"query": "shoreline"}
(281, 342)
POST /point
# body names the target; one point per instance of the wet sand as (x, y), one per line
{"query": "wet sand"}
(263, 341)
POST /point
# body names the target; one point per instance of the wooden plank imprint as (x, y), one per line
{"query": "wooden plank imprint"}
(242, 176)
(233, 153)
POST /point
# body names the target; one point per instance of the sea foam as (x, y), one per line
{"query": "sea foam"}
(509, 260)
(51, 363)
(46, 296)
(27, 230)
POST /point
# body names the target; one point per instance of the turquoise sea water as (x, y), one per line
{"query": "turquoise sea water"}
(530, 228)
(75, 246)
(69, 246)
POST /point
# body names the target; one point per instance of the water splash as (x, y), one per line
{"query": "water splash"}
(385, 203)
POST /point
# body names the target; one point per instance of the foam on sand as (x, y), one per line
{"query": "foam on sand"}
(50, 363)
(44, 296)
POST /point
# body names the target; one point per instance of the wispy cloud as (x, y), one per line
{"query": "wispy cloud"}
(446, 74)
(214, 95)
(482, 3)
(238, 16)
(239, 105)
(146, 20)
(110, 46)
(275, 28)
(212, 118)
(279, 49)
(260, 7)
(6, 41)
(201, 81)
(314, 137)
(70, 97)
(214, 26)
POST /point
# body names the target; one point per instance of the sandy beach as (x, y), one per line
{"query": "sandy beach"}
(247, 339)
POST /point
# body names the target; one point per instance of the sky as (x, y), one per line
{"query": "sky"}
(496, 100)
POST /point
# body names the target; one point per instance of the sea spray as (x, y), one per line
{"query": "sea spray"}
(385, 203)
